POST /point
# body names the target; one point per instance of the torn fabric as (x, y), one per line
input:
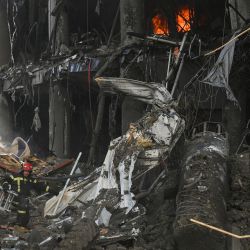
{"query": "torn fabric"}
(37, 125)
(98, 7)
(219, 74)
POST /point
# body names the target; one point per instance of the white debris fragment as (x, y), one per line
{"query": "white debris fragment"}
(135, 231)
(83, 215)
(125, 172)
(107, 178)
(165, 127)
(103, 218)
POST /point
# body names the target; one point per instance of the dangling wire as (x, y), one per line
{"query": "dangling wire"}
(213, 100)
(52, 114)
(28, 38)
(10, 37)
(15, 12)
(224, 23)
(197, 105)
(87, 16)
(38, 96)
(19, 109)
(130, 64)
(89, 70)
(72, 106)
(90, 101)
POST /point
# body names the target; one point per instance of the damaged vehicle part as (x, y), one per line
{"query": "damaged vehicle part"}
(203, 190)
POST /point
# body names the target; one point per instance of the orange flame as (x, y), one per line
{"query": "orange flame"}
(160, 25)
(183, 19)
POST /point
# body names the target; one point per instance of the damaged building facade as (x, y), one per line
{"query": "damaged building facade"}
(154, 95)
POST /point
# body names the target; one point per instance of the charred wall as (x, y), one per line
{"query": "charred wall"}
(23, 113)
(207, 16)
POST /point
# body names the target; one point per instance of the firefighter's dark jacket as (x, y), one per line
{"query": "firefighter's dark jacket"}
(23, 185)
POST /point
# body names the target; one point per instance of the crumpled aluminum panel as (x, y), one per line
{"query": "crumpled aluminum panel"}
(150, 93)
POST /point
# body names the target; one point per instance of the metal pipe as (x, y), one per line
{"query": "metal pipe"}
(169, 62)
(1, 198)
(181, 47)
(153, 38)
(157, 39)
(45, 241)
(11, 198)
(144, 194)
(178, 76)
(114, 24)
(67, 182)
(178, 57)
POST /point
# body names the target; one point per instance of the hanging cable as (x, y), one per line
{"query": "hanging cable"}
(87, 16)
(90, 101)
(38, 96)
(28, 37)
(224, 22)
(14, 12)
(10, 37)
(19, 109)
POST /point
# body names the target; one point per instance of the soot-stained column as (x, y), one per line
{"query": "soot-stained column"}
(132, 19)
(59, 121)
(51, 19)
(6, 121)
(59, 108)
(4, 36)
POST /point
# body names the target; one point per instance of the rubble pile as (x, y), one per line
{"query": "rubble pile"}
(129, 157)
(106, 197)
(133, 200)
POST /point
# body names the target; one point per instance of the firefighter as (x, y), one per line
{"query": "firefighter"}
(22, 183)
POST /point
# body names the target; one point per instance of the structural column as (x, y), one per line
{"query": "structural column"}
(59, 121)
(59, 107)
(4, 37)
(51, 19)
(6, 121)
(132, 20)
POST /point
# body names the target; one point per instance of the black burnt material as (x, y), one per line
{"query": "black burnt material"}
(202, 193)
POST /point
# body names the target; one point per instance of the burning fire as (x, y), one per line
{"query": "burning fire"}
(160, 25)
(183, 19)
